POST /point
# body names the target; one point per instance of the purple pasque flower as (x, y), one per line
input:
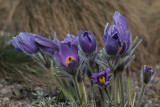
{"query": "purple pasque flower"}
(69, 40)
(25, 42)
(68, 56)
(46, 44)
(87, 42)
(147, 74)
(117, 37)
(102, 78)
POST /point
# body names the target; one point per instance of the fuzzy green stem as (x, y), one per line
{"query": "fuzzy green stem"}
(118, 92)
(115, 87)
(107, 93)
(82, 90)
(110, 90)
(129, 87)
(102, 98)
(92, 91)
(122, 91)
(77, 90)
(141, 95)
(65, 92)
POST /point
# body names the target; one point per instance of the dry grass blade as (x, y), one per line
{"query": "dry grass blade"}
(134, 99)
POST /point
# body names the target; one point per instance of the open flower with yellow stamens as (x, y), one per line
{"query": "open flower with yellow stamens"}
(102, 78)
(68, 56)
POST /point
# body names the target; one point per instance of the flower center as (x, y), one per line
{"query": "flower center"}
(69, 59)
(102, 79)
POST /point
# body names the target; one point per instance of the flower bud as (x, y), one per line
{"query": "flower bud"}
(87, 42)
(147, 74)
(117, 36)
(25, 42)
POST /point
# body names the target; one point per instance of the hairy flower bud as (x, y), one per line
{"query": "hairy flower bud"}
(87, 42)
(147, 74)
(117, 37)
(25, 42)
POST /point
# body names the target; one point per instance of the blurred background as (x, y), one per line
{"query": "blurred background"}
(71, 16)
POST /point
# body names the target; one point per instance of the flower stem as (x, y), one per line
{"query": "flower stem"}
(65, 92)
(118, 93)
(122, 91)
(77, 90)
(110, 90)
(107, 93)
(102, 97)
(115, 87)
(82, 90)
(129, 87)
(92, 91)
(141, 95)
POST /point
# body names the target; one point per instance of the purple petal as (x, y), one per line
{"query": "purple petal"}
(95, 75)
(72, 64)
(121, 20)
(43, 41)
(61, 59)
(111, 46)
(68, 51)
(14, 43)
(106, 83)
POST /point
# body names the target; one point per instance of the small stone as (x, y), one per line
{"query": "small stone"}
(5, 91)
(11, 104)
(17, 93)
(5, 99)
(3, 81)
(38, 88)
(1, 85)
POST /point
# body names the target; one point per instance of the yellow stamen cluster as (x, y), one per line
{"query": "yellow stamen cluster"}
(68, 60)
(120, 48)
(102, 79)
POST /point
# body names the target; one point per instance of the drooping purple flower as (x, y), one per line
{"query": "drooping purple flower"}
(87, 42)
(46, 44)
(117, 37)
(102, 78)
(25, 42)
(68, 56)
(69, 40)
(147, 74)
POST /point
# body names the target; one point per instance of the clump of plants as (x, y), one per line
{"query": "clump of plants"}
(70, 60)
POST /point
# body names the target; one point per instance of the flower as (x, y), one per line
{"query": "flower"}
(147, 74)
(102, 78)
(69, 40)
(46, 44)
(117, 37)
(25, 42)
(87, 42)
(68, 56)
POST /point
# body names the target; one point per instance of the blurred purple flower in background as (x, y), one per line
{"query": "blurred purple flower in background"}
(46, 44)
(147, 74)
(102, 78)
(117, 37)
(68, 56)
(69, 40)
(87, 42)
(25, 42)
